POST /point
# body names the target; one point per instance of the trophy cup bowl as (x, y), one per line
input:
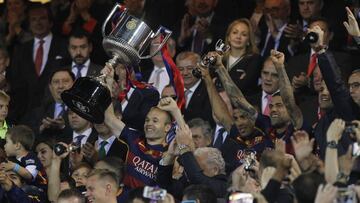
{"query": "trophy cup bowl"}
(128, 39)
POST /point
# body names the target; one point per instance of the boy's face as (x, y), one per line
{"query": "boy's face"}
(10, 147)
(4, 107)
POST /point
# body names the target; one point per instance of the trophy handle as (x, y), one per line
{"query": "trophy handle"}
(158, 32)
(117, 7)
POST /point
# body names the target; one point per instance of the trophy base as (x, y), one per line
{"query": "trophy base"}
(88, 98)
(126, 54)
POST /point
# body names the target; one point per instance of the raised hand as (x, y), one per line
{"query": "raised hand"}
(302, 144)
(184, 136)
(277, 58)
(326, 193)
(351, 25)
(168, 104)
(335, 130)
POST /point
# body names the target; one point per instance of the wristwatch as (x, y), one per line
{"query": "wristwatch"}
(182, 147)
(332, 144)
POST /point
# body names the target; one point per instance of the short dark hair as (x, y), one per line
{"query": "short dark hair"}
(306, 185)
(64, 69)
(38, 5)
(69, 193)
(22, 134)
(116, 165)
(49, 141)
(80, 33)
(203, 193)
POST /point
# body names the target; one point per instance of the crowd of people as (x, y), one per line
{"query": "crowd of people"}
(272, 117)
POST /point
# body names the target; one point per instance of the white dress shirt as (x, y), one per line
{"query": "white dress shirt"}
(84, 139)
(189, 95)
(84, 70)
(109, 141)
(46, 48)
(225, 133)
(164, 78)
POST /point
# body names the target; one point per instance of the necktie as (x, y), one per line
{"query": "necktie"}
(63, 109)
(78, 139)
(268, 46)
(157, 77)
(267, 108)
(79, 68)
(102, 151)
(39, 57)
(312, 64)
(220, 137)
(198, 43)
(187, 97)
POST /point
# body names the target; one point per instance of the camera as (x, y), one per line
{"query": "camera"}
(60, 149)
(350, 128)
(154, 193)
(311, 37)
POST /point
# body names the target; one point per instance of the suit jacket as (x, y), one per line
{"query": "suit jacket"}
(67, 136)
(27, 89)
(283, 44)
(93, 70)
(119, 149)
(199, 105)
(216, 31)
(245, 73)
(34, 119)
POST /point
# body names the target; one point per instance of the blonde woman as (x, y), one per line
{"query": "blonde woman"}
(243, 61)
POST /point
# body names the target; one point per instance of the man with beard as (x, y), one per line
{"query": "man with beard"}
(80, 48)
(285, 116)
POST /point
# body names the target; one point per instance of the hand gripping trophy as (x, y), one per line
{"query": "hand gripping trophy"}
(125, 43)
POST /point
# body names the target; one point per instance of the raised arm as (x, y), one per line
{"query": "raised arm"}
(286, 91)
(218, 106)
(237, 98)
(111, 120)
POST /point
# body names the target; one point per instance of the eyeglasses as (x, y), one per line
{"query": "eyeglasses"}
(354, 85)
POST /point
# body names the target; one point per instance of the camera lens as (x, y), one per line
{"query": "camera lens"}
(196, 73)
(59, 149)
(311, 37)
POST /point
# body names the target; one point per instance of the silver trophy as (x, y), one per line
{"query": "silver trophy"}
(130, 38)
(208, 61)
(125, 43)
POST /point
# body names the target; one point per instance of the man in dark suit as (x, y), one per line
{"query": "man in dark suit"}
(306, 77)
(80, 131)
(272, 27)
(196, 96)
(33, 62)
(201, 27)
(80, 48)
(51, 117)
(107, 145)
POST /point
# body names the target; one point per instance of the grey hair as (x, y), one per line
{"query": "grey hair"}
(204, 125)
(213, 158)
